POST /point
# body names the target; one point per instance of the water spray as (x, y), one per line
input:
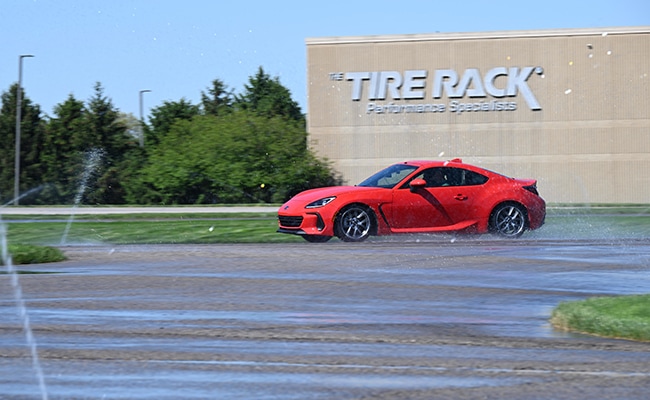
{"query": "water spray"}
(29, 192)
(22, 309)
(93, 157)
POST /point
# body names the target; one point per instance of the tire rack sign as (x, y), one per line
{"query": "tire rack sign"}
(496, 90)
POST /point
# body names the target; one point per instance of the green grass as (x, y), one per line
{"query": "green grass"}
(146, 231)
(145, 216)
(595, 209)
(31, 254)
(625, 317)
(35, 241)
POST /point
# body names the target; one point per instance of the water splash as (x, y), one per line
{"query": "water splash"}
(22, 309)
(29, 192)
(93, 157)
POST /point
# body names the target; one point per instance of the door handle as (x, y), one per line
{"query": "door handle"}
(460, 197)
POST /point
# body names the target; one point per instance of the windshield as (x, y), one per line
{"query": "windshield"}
(389, 177)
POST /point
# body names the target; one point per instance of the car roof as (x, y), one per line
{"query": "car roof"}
(434, 163)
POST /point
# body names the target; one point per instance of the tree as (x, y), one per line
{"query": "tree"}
(163, 117)
(237, 158)
(31, 146)
(218, 100)
(102, 132)
(267, 97)
(63, 153)
(247, 148)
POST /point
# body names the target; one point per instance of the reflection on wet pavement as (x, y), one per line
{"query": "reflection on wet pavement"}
(405, 319)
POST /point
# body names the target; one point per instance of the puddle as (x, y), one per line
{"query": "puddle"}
(147, 381)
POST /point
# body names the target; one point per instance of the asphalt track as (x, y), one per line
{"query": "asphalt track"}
(407, 317)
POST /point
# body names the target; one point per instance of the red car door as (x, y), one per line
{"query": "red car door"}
(443, 202)
(413, 210)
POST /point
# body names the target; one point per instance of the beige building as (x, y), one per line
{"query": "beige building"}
(570, 108)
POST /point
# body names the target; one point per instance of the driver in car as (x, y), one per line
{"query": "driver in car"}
(435, 178)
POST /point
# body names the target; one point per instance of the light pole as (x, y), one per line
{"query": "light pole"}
(142, 118)
(18, 117)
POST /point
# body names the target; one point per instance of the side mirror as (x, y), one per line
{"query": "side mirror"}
(417, 184)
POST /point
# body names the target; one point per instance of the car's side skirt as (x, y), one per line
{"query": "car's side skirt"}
(448, 228)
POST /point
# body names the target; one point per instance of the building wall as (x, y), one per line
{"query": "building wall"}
(579, 122)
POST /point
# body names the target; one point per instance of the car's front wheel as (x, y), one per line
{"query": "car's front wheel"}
(354, 223)
(509, 220)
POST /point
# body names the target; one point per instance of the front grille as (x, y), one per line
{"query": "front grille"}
(291, 222)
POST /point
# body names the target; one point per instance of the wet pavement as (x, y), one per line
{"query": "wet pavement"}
(410, 317)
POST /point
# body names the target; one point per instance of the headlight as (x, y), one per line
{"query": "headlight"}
(321, 202)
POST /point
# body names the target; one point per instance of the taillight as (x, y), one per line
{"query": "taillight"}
(532, 189)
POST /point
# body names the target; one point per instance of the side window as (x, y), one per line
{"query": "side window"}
(472, 178)
(393, 179)
(447, 176)
(437, 177)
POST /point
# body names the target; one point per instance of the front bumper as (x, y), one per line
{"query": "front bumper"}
(306, 224)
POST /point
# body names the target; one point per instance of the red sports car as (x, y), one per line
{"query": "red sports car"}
(417, 197)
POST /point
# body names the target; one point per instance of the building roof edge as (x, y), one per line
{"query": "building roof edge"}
(478, 35)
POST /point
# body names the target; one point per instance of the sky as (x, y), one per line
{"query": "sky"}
(176, 49)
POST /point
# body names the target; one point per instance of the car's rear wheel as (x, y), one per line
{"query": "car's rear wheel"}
(509, 220)
(354, 223)
(316, 238)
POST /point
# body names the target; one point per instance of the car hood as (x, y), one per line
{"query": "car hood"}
(310, 195)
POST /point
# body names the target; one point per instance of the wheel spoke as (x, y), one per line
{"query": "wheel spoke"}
(510, 221)
(355, 224)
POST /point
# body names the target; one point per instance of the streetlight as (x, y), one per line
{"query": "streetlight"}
(142, 118)
(18, 116)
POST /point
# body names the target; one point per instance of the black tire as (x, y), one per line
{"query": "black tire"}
(354, 223)
(316, 238)
(509, 220)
